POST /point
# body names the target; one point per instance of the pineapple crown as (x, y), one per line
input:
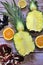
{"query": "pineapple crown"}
(33, 5)
(13, 11)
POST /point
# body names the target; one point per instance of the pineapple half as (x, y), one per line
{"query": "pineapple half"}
(34, 19)
(24, 43)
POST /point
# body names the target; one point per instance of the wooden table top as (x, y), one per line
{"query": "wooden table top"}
(35, 58)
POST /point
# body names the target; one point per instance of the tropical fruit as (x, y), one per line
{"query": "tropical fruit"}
(15, 15)
(23, 43)
(39, 41)
(8, 33)
(22, 3)
(34, 19)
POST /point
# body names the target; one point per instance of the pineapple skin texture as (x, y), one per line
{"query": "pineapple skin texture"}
(34, 21)
(24, 43)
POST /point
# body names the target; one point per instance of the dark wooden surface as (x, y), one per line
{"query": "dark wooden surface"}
(35, 58)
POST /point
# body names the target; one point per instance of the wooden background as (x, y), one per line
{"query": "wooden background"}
(35, 58)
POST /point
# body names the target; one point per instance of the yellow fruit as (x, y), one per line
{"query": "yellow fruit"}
(39, 41)
(22, 3)
(34, 21)
(24, 43)
(8, 33)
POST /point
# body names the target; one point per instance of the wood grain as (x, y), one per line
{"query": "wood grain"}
(35, 58)
(24, 12)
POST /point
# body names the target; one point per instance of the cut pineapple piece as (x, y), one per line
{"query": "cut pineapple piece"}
(24, 43)
(34, 21)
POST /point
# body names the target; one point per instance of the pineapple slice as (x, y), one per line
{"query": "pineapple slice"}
(34, 21)
(24, 43)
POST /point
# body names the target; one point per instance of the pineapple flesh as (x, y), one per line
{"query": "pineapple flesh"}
(24, 43)
(34, 21)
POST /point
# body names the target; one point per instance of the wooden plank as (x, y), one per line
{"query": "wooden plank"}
(2, 9)
(39, 1)
(41, 8)
(1, 16)
(4, 1)
(33, 59)
(24, 12)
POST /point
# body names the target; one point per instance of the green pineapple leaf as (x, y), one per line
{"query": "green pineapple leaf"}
(14, 13)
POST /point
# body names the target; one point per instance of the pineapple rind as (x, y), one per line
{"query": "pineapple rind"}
(24, 43)
(34, 21)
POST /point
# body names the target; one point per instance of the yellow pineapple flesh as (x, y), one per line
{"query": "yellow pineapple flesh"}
(24, 43)
(34, 21)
